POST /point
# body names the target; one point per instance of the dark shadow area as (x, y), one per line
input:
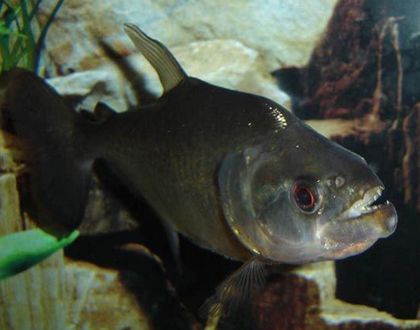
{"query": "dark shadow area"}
(135, 79)
(290, 80)
(139, 273)
(203, 271)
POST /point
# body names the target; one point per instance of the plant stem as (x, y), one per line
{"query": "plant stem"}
(43, 34)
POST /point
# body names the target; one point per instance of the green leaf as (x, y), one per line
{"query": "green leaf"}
(11, 14)
(21, 250)
(6, 31)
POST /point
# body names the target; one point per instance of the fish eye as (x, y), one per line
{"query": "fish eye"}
(305, 196)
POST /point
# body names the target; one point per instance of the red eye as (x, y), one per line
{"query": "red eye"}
(304, 197)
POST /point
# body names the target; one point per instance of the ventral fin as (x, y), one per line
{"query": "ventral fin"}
(167, 67)
(236, 293)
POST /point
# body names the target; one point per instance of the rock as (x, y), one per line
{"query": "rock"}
(33, 299)
(303, 298)
(221, 48)
(244, 70)
(283, 32)
(205, 60)
(98, 300)
(93, 86)
(333, 127)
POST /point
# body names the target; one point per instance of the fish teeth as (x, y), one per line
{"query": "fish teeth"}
(371, 196)
(363, 205)
(368, 209)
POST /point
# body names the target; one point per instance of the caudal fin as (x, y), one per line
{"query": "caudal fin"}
(58, 157)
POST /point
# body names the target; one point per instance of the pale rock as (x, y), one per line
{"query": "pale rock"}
(103, 84)
(283, 32)
(205, 60)
(234, 44)
(98, 300)
(226, 63)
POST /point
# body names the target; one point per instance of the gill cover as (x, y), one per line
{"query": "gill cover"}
(254, 195)
(235, 183)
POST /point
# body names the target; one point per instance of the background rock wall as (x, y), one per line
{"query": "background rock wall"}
(283, 32)
(234, 44)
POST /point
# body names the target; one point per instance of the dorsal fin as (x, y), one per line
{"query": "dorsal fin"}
(167, 67)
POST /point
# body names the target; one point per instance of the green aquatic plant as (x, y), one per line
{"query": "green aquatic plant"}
(20, 44)
(22, 250)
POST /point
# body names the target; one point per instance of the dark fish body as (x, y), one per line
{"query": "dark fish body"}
(236, 173)
(174, 166)
(170, 154)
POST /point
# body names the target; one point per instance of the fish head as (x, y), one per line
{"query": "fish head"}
(298, 202)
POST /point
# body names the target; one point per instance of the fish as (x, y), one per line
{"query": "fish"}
(236, 173)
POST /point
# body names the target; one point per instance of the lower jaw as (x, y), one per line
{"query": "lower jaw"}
(341, 252)
(343, 238)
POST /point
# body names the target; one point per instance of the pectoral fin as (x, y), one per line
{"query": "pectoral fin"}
(238, 291)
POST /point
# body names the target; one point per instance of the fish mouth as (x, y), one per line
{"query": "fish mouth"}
(360, 226)
(367, 209)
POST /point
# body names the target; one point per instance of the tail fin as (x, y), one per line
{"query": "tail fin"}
(59, 162)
